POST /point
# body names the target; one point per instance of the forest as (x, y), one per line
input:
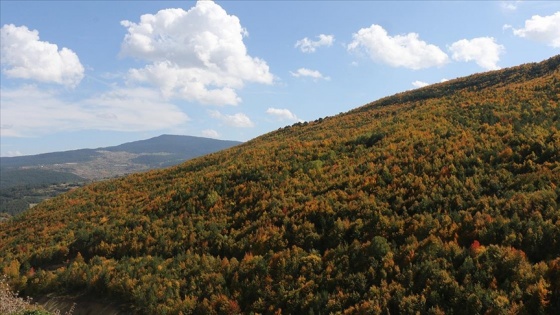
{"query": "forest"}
(440, 200)
(21, 188)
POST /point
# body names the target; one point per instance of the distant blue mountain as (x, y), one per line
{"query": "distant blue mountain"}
(161, 151)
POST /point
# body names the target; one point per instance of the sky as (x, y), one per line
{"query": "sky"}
(89, 74)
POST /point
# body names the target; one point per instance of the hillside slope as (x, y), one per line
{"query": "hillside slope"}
(441, 200)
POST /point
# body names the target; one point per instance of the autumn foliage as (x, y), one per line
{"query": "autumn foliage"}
(441, 200)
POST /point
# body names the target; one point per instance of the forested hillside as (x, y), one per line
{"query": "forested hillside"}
(441, 200)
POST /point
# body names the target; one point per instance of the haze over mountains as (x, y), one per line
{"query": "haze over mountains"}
(441, 200)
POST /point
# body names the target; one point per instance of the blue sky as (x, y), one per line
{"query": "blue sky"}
(88, 74)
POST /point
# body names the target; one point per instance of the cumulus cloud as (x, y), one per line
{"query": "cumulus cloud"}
(198, 85)
(419, 84)
(282, 114)
(30, 111)
(236, 120)
(397, 51)
(309, 46)
(25, 56)
(544, 29)
(304, 72)
(197, 55)
(483, 50)
(210, 133)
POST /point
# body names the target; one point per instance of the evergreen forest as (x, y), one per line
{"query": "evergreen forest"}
(439, 200)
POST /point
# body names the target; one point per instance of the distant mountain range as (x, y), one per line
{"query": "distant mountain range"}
(162, 151)
(22, 176)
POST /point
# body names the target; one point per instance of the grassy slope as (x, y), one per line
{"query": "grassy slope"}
(443, 199)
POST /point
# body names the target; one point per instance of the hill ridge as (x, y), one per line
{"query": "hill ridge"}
(437, 205)
(492, 78)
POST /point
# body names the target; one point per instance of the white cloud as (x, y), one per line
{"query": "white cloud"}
(210, 133)
(282, 114)
(419, 84)
(197, 55)
(304, 72)
(510, 5)
(544, 29)
(397, 51)
(134, 109)
(30, 111)
(236, 120)
(189, 84)
(13, 153)
(309, 46)
(25, 56)
(483, 50)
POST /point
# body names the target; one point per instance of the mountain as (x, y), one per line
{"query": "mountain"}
(162, 151)
(440, 200)
(29, 179)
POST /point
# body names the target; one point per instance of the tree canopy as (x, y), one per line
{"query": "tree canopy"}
(441, 200)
